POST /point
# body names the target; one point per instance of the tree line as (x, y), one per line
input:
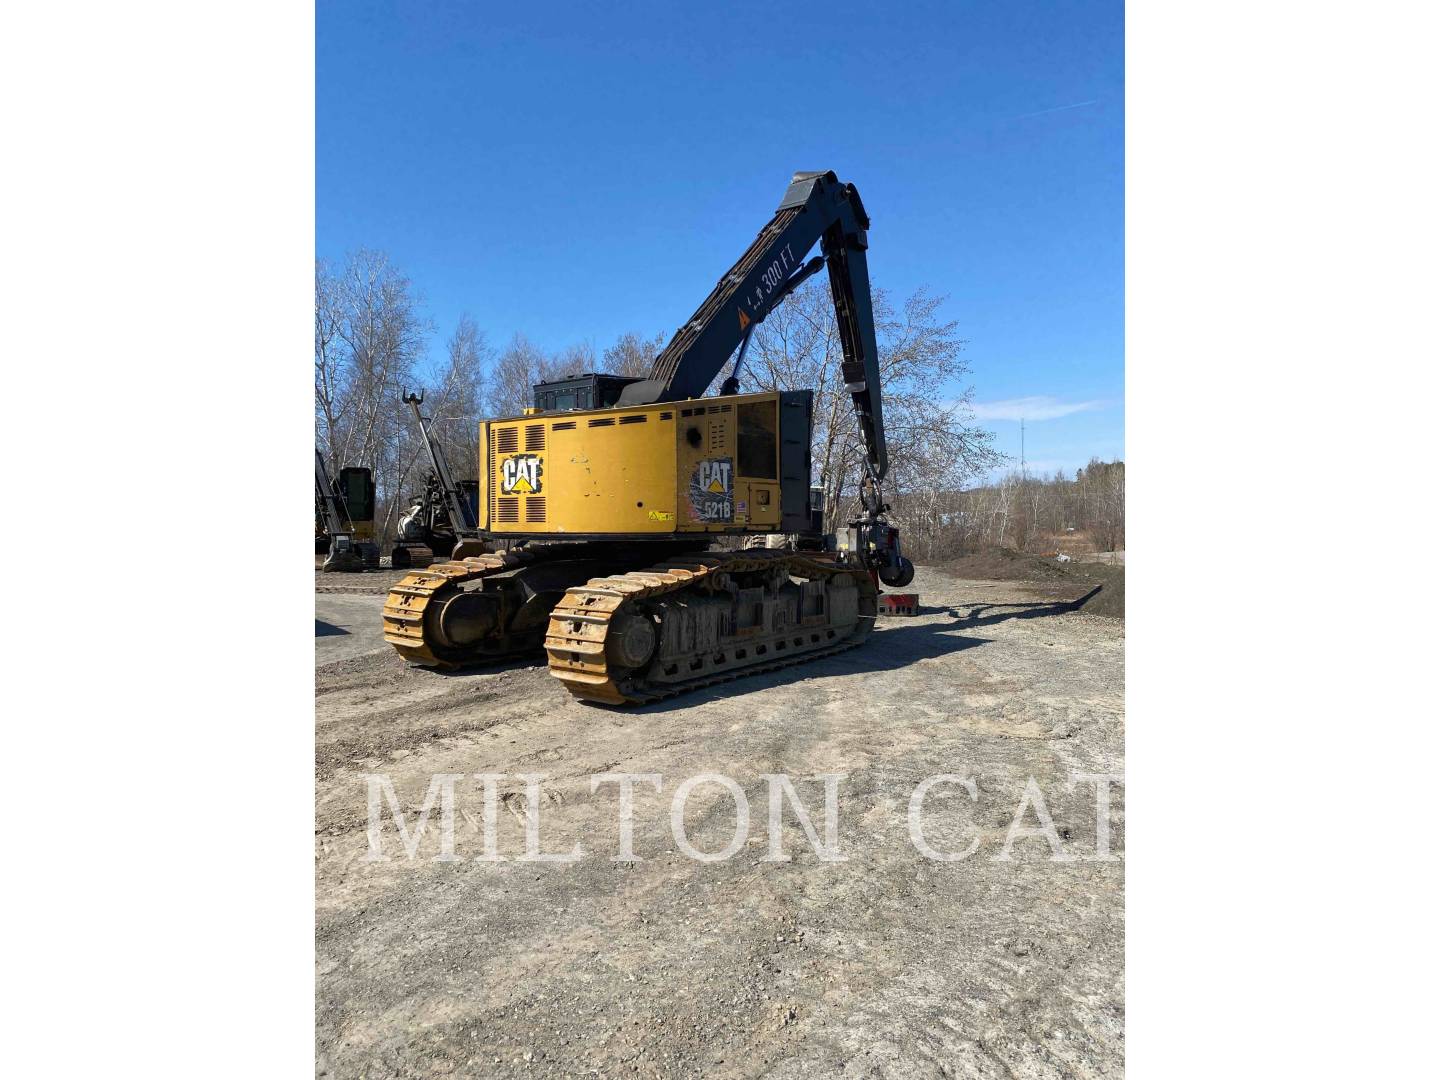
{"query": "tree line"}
(1019, 511)
(372, 342)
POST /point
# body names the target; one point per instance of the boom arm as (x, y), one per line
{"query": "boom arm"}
(461, 519)
(816, 207)
(337, 520)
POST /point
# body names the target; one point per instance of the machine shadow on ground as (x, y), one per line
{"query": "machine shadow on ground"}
(497, 667)
(971, 615)
(883, 651)
(896, 645)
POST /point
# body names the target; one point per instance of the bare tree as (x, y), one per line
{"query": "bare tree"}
(571, 360)
(370, 337)
(633, 355)
(522, 364)
(1105, 484)
(331, 371)
(512, 377)
(453, 399)
(1029, 513)
(370, 341)
(459, 399)
(932, 444)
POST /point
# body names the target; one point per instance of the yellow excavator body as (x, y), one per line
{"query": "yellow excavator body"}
(605, 508)
(687, 467)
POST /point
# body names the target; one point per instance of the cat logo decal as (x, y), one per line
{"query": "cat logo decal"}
(712, 488)
(520, 475)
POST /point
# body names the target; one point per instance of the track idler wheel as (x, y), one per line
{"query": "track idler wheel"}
(631, 641)
(466, 619)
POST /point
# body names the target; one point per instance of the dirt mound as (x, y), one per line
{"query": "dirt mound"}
(1005, 564)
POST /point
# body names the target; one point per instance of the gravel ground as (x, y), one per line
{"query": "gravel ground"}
(365, 583)
(884, 964)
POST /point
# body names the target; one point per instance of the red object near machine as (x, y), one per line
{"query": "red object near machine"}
(899, 603)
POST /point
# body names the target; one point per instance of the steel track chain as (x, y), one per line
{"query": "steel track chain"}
(581, 621)
(405, 605)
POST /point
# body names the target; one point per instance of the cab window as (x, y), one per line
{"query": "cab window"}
(756, 441)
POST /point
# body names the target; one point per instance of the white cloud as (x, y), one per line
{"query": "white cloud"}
(1031, 408)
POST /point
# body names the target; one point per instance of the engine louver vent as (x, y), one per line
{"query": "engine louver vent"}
(507, 440)
(535, 508)
(534, 437)
(508, 510)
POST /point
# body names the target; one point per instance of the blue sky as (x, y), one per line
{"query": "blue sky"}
(574, 171)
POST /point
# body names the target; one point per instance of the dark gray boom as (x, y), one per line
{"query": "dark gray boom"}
(816, 207)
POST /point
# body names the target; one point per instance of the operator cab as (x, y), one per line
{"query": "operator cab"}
(356, 489)
(591, 390)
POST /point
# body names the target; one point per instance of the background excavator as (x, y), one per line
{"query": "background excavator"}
(345, 518)
(441, 522)
(612, 507)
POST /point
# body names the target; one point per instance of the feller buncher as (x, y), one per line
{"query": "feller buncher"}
(613, 491)
(443, 518)
(345, 518)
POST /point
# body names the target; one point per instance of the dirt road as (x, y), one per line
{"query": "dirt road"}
(885, 964)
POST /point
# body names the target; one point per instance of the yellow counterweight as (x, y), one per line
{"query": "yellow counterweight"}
(681, 467)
